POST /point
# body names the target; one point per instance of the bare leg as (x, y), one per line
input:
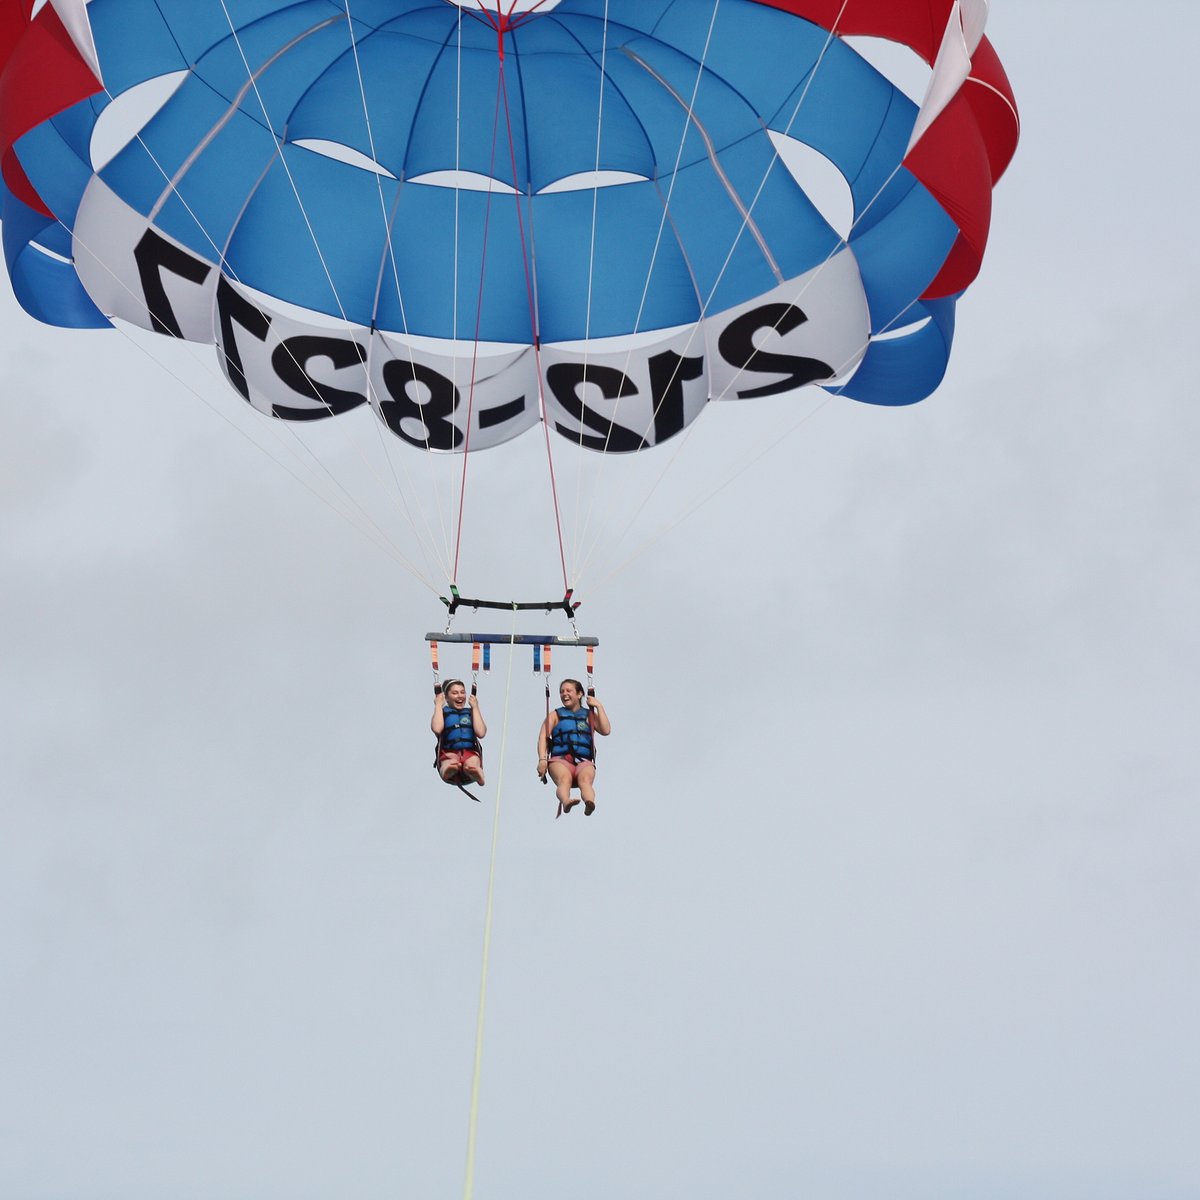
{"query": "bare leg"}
(451, 771)
(584, 777)
(561, 774)
(473, 769)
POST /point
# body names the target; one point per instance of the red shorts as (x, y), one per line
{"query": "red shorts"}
(568, 760)
(454, 756)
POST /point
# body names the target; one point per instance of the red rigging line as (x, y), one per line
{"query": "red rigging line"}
(487, 217)
(502, 24)
(536, 332)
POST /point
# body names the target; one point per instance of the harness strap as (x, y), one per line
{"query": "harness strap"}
(469, 795)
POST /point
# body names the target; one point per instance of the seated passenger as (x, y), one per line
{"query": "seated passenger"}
(459, 726)
(567, 748)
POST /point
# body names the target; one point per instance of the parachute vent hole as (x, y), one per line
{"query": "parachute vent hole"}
(587, 181)
(130, 113)
(344, 154)
(467, 181)
(900, 65)
(900, 331)
(822, 182)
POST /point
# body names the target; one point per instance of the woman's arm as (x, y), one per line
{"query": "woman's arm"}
(600, 722)
(477, 721)
(438, 723)
(544, 744)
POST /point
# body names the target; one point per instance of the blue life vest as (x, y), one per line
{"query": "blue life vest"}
(458, 736)
(573, 734)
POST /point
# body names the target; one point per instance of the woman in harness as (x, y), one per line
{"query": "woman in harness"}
(567, 746)
(459, 725)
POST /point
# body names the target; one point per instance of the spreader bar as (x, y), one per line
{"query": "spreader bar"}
(511, 639)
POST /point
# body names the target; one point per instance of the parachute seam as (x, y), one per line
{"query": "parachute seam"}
(748, 221)
(232, 108)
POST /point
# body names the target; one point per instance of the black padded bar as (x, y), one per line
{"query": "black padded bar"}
(566, 604)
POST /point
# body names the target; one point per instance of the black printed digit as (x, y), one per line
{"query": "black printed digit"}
(400, 376)
(234, 309)
(565, 380)
(291, 359)
(737, 347)
(154, 255)
(668, 373)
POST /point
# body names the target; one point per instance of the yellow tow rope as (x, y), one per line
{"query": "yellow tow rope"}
(473, 1123)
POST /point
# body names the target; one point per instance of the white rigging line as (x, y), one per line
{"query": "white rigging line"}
(365, 524)
(581, 537)
(840, 244)
(299, 202)
(587, 325)
(172, 188)
(458, 60)
(747, 214)
(391, 257)
(769, 443)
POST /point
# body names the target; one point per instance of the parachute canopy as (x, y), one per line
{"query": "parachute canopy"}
(460, 214)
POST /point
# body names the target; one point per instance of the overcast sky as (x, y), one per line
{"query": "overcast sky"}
(892, 890)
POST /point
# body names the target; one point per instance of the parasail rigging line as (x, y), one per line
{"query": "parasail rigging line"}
(367, 526)
(582, 535)
(395, 552)
(841, 244)
(535, 329)
(458, 81)
(172, 188)
(587, 323)
(390, 257)
(487, 220)
(747, 217)
(296, 194)
(765, 448)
